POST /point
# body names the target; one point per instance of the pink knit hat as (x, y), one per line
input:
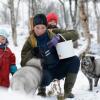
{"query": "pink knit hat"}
(52, 16)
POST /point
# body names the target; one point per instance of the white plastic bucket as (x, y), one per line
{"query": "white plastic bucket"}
(65, 49)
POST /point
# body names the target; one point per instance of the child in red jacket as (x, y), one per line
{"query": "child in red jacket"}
(7, 60)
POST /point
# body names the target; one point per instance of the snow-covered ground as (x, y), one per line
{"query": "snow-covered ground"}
(80, 89)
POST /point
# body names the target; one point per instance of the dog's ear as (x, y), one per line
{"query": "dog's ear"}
(92, 58)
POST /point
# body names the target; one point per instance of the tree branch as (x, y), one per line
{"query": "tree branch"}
(4, 4)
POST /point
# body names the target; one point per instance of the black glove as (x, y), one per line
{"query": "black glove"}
(36, 52)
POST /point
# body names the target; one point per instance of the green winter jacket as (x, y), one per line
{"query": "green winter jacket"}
(68, 34)
(31, 42)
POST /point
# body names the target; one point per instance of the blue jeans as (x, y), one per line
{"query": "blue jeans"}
(69, 65)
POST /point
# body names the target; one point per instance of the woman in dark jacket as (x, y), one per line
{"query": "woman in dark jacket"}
(41, 44)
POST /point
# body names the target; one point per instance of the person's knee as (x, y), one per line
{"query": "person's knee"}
(77, 61)
(76, 64)
(73, 64)
(46, 78)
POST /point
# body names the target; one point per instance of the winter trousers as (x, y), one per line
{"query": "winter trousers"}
(68, 65)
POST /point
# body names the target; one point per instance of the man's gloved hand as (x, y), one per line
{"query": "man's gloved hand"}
(56, 39)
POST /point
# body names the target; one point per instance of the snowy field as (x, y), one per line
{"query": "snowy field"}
(80, 89)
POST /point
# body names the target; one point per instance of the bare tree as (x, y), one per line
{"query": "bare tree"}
(36, 6)
(64, 10)
(13, 21)
(5, 15)
(87, 9)
(4, 12)
(84, 21)
(61, 16)
(13, 18)
(31, 13)
(51, 8)
(18, 3)
(73, 14)
(97, 14)
(31, 7)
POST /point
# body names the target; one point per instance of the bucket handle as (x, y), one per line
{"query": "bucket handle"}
(62, 37)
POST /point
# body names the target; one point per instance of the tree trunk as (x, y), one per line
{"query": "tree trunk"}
(13, 22)
(97, 20)
(17, 10)
(65, 16)
(84, 21)
(29, 8)
(6, 18)
(31, 13)
(73, 16)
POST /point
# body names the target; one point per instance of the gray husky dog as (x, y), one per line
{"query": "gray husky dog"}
(91, 69)
(28, 78)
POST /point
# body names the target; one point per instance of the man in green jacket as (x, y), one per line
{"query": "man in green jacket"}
(41, 44)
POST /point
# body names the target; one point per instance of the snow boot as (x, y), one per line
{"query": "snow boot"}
(42, 91)
(68, 85)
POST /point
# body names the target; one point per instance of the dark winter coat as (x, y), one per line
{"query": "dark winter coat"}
(7, 58)
(57, 69)
(31, 43)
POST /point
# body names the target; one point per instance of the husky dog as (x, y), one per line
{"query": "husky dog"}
(28, 78)
(91, 69)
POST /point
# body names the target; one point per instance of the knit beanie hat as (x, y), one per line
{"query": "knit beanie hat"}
(52, 16)
(39, 19)
(4, 33)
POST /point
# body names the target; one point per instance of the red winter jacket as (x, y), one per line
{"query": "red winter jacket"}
(7, 58)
